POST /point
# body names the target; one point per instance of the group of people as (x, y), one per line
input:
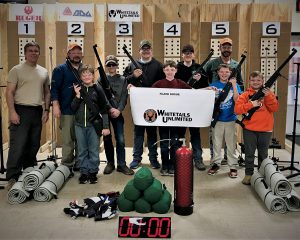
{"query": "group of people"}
(85, 112)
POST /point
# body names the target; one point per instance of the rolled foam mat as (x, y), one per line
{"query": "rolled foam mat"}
(38, 176)
(51, 186)
(17, 194)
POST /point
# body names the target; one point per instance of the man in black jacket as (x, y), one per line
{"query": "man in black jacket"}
(149, 72)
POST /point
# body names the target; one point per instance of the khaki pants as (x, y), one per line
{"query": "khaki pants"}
(219, 132)
(68, 140)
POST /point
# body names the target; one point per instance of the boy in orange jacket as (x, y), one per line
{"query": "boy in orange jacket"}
(258, 130)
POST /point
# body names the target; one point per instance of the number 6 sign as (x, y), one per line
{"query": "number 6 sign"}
(271, 29)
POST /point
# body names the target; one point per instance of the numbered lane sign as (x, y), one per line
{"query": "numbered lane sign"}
(124, 28)
(172, 29)
(271, 29)
(26, 28)
(220, 28)
(76, 28)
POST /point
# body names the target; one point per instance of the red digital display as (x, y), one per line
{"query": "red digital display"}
(144, 227)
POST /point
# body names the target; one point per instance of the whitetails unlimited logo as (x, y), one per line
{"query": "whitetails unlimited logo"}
(151, 115)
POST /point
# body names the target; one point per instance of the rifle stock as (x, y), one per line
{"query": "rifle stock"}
(224, 93)
(260, 94)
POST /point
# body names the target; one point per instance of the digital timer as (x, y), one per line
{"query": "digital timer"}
(144, 227)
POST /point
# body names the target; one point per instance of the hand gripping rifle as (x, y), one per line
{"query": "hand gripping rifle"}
(260, 94)
(86, 98)
(200, 69)
(109, 93)
(133, 61)
(224, 93)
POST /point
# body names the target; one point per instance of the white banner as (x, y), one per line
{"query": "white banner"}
(124, 12)
(171, 107)
(26, 12)
(75, 12)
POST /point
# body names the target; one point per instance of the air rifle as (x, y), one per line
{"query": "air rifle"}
(224, 93)
(133, 61)
(109, 93)
(260, 94)
(83, 93)
(200, 69)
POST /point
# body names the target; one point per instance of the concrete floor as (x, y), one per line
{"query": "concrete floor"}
(224, 209)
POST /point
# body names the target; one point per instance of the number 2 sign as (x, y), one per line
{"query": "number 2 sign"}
(76, 28)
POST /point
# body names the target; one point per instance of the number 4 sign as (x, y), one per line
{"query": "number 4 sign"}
(172, 29)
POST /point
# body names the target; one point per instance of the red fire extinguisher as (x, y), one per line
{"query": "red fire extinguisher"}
(183, 181)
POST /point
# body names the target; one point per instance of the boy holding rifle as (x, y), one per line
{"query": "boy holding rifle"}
(225, 126)
(258, 130)
(87, 134)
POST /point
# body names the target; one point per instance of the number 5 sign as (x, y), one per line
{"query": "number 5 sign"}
(271, 29)
(220, 29)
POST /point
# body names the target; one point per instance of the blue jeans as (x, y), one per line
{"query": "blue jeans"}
(118, 126)
(168, 156)
(139, 140)
(88, 149)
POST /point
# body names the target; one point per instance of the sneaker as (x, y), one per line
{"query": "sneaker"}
(93, 178)
(155, 164)
(10, 184)
(200, 165)
(247, 180)
(171, 172)
(124, 169)
(224, 161)
(164, 172)
(83, 179)
(233, 173)
(213, 170)
(135, 164)
(109, 168)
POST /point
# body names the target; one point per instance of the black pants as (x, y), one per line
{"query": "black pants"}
(255, 140)
(24, 140)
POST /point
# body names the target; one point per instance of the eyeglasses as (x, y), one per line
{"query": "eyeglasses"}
(111, 65)
(226, 47)
(145, 49)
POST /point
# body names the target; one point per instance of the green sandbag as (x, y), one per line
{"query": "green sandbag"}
(124, 204)
(163, 205)
(142, 206)
(131, 192)
(143, 178)
(153, 193)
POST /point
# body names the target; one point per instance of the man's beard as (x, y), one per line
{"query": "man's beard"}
(75, 61)
(226, 54)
